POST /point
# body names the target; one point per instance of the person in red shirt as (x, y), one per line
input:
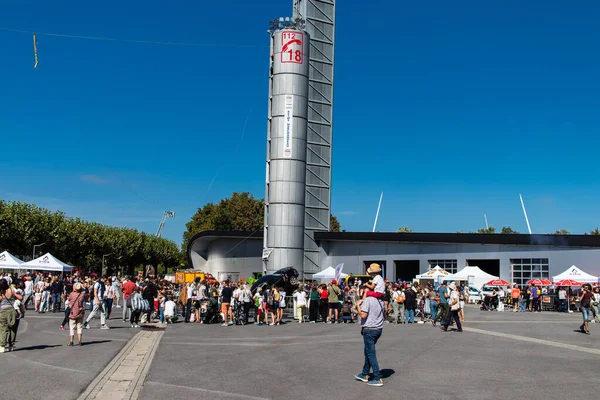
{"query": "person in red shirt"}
(128, 288)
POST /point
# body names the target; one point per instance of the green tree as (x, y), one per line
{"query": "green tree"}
(595, 232)
(334, 224)
(404, 229)
(240, 212)
(491, 229)
(507, 230)
(77, 242)
(562, 232)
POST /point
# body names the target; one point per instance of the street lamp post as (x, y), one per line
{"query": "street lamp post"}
(37, 245)
(103, 257)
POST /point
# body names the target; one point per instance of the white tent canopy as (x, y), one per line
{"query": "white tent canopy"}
(8, 261)
(47, 262)
(576, 274)
(478, 277)
(433, 273)
(328, 273)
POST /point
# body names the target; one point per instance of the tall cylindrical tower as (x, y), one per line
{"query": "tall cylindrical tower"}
(286, 150)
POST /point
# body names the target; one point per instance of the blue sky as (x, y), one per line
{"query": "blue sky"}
(451, 108)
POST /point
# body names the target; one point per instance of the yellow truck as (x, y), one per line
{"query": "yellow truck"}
(188, 276)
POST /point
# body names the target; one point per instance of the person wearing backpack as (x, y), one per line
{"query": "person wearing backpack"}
(246, 299)
(149, 293)
(136, 307)
(269, 300)
(98, 291)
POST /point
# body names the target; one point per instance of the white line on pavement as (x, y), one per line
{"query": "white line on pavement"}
(534, 340)
(26, 360)
(242, 396)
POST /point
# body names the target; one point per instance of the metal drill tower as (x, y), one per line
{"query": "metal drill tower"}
(320, 26)
(298, 181)
(286, 146)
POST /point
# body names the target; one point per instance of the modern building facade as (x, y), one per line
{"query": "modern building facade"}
(515, 258)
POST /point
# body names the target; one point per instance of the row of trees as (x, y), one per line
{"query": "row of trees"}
(240, 212)
(506, 230)
(80, 243)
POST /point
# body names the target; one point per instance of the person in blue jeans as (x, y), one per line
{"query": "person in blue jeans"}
(410, 305)
(371, 311)
(586, 298)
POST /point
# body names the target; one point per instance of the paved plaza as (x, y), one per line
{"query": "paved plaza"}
(523, 355)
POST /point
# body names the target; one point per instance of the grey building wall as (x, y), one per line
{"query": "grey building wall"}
(226, 255)
(355, 254)
(230, 258)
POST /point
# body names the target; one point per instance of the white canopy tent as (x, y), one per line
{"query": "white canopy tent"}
(47, 262)
(433, 273)
(575, 274)
(475, 274)
(328, 273)
(8, 261)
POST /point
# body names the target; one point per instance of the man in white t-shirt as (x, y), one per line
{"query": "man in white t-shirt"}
(169, 310)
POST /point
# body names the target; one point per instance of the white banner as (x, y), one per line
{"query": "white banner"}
(338, 271)
(289, 110)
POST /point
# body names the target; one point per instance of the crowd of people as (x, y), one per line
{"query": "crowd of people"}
(234, 303)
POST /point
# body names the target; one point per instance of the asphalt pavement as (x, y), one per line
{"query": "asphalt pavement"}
(499, 355)
(516, 355)
(42, 366)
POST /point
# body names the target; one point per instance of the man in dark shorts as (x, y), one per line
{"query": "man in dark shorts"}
(226, 295)
(333, 294)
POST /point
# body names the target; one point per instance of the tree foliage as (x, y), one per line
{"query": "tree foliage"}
(507, 230)
(562, 232)
(491, 229)
(77, 242)
(404, 229)
(334, 224)
(240, 212)
(595, 232)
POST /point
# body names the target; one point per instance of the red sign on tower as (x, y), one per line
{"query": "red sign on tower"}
(291, 47)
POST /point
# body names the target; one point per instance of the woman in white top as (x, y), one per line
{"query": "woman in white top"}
(109, 295)
(300, 297)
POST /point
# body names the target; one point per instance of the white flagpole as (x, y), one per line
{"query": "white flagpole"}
(486, 223)
(377, 215)
(525, 212)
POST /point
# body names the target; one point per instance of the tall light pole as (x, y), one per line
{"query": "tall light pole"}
(37, 245)
(103, 257)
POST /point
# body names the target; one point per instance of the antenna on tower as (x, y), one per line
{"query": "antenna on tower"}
(377, 215)
(525, 212)
(486, 223)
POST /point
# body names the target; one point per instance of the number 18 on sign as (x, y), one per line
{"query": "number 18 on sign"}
(291, 47)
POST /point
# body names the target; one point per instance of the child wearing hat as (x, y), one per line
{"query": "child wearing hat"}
(377, 285)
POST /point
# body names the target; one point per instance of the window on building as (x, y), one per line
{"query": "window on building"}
(448, 265)
(525, 269)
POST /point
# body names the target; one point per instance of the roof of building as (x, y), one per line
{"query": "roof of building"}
(200, 241)
(463, 238)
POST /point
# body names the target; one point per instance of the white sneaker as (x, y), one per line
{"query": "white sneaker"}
(2, 349)
(104, 327)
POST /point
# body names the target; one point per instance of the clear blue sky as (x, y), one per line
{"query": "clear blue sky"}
(450, 108)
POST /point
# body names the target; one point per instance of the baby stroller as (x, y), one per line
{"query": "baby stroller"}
(238, 312)
(347, 311)
(209, 311)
